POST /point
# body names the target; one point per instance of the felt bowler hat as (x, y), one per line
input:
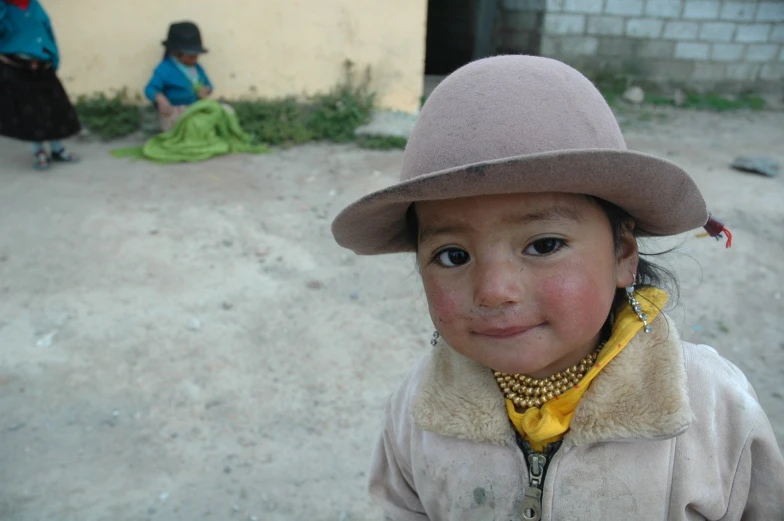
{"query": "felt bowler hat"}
(184, 37)
(514, 124)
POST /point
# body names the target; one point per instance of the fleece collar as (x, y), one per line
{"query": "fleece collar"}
(641, 394)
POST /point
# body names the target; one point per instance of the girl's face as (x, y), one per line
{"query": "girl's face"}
(522, 283)
(187, 59)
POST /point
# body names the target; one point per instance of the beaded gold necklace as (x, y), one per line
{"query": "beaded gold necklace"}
(526, 392)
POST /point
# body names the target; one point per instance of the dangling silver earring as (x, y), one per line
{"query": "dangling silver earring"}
(434, 340)
(637, 308)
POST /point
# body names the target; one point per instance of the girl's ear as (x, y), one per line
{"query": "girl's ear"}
(626, 256)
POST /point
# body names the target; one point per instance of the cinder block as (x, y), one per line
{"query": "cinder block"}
(605, 25)
(564, 23)
(709, 71)
(583, 6)
(770, 12)
(550, 46)
(743, 71)
(624, 7)
(752, 33)
(681, 30)
(655, 49)
(717, 31)
(692, 51)
(669, 70)
(762, 52)
(644, 28)
(727, 52)
(701, 9)
(615, 47)
(554, 5)
(777, 35)
(772, 71)
(738, 11)
(579, 45)
(523, 5)
(664, 8)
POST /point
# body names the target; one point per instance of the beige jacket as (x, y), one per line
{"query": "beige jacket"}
(667, 431)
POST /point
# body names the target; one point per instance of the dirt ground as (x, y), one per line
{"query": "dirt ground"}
(187, 342)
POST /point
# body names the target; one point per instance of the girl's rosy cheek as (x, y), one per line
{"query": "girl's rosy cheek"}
(579, 294)
(445, 303)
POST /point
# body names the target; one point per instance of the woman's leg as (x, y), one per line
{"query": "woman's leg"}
(40, 157)
(59, 153)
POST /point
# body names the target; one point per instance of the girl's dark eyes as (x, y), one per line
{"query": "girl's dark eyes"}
(544, 246)
(452, 257)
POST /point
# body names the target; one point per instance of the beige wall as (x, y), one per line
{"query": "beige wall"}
(258, 48)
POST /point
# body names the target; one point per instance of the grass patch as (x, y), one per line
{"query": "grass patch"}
(108, 117)
(613, 85)
(333, 116)
(382, 142)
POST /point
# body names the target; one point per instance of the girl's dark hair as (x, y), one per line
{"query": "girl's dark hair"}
(648, 273)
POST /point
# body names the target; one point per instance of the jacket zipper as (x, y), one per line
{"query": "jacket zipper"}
(537, 467)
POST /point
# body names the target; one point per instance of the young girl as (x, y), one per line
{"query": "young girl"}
(33, 104)
(179, 80)
(556, 388)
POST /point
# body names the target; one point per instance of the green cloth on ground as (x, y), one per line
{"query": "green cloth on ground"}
(203, 131)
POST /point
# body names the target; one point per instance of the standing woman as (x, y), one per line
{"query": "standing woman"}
(33, 104)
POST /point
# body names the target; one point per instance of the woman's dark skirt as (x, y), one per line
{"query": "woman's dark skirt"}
(34, 105)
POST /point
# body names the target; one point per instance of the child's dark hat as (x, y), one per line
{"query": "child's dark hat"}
(184, 37)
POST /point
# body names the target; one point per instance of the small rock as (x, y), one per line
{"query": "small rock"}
(236, 508)
(757, 164)
(154, 232)
(151, 510)
(227, 305)
(115, 412)
(634, 95)
(227, 470)
(344, 516)
(777, 394)
(46, 340)
(678, 98)
(354, 295)
(194, 324)
(3, 258)
(15, 427)
(164, 496)
(314, 284)
(227, 242)
(254, 518)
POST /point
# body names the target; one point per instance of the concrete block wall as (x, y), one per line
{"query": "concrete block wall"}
(727, 45)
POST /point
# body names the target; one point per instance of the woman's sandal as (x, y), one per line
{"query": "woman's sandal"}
(40, 160)
(63, 156)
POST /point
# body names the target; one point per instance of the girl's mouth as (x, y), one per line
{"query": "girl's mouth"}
(505, 332)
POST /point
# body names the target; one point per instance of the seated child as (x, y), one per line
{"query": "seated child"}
(179, 81)
(556, 388)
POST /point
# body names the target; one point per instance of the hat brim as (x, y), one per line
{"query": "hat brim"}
(185, 49)
(659, 195)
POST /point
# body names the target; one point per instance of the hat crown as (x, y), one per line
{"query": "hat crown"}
(508, 106)
(183, 34)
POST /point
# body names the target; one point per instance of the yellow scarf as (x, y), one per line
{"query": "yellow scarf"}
(548, 423)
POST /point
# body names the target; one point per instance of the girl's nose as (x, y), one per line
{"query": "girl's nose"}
(497, 284)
